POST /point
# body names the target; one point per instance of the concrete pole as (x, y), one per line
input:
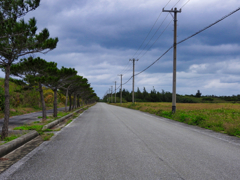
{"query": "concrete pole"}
(121, 91)
(111, 94)
(133, 60)
(175, 11)
(115, 91)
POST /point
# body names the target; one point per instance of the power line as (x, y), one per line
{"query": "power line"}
(128, 80)
(153, 36)
(151, 29)
(184, 4)
(183, 41)
(155, 61)
(156, 40)
(224, 17)
(176, 4)
(127, 69)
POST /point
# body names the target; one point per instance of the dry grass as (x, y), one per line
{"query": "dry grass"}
(221, 117)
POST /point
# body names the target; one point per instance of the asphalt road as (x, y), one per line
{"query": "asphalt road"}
(26, 118)
(114, 143)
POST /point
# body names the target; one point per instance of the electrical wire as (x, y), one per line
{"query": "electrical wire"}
(224, 17)
(126, 68)
(156, 39)
(155, 61)
(151, 29)
(184, 4)
(153, 35)
(176, 4)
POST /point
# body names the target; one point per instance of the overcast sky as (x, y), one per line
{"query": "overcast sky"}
(98, 38)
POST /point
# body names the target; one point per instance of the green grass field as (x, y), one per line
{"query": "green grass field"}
(220, 117)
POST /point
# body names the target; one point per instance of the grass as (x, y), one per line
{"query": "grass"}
(220, 117)
(10, 138)
(47, 136)
(38, 125)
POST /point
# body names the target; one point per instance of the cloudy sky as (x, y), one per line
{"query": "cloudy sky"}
(98, 38)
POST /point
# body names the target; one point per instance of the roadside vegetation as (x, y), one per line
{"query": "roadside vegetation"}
(220, 117)
(165, 96)
(23, 101)
(218, 113)
(20, 41)
(38, 125)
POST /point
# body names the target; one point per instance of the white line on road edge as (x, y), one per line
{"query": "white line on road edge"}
(224, 137)
(12, 169)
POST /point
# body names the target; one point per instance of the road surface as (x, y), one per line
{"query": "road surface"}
(113, 143)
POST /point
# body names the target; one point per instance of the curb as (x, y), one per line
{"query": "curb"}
(14, 144)
(54, 123)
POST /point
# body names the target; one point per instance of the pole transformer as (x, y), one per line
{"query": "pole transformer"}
(133, 60)
(175, 11)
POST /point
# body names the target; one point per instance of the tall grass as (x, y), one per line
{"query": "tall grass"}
(220, 117)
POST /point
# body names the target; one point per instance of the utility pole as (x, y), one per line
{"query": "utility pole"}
(121, 89)
(115, 91)
(111, 93)
(175, 11)
(133, 60)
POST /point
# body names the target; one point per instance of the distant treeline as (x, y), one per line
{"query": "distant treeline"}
(165, 96)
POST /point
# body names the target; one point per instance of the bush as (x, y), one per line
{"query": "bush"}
(207, 99)
(181, 99)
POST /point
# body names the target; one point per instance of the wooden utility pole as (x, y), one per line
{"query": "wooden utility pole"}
(133, 60)
(175, 11)
(121, 90)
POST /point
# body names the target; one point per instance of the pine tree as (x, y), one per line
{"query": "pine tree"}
(57, 79)
(35, 72)
(18, 38)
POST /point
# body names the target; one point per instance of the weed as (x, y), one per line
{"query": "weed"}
(47, 136)
(40, 117)
(11, 137)
(69, 121)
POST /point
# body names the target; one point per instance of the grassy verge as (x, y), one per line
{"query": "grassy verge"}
(10, 138)
(38, 125)
(220, 117)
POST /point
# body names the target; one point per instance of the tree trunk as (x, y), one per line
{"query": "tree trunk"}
(74, 101)
(7, 104)
(78, 101)
(66, 100)
(70, 102)
(44, 114)
(55, 103)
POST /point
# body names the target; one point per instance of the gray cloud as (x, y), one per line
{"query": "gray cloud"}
(98, 38)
